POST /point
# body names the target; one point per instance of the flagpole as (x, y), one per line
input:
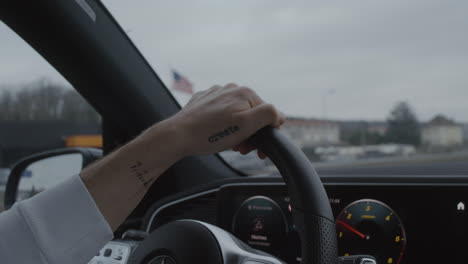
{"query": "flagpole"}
(171, 68)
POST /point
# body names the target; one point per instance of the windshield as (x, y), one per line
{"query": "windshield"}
(358, 80)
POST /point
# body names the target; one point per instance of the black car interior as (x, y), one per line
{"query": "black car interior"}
(292, 215)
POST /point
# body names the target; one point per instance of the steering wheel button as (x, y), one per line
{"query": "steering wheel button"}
(107, 252)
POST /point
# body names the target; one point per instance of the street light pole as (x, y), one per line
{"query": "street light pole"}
(325, 96)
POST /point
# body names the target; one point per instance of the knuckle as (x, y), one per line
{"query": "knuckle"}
(231, 85)
(246, 91)
(269, 108)
(271, 111)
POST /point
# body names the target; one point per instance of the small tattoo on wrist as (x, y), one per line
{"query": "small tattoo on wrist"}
(226, 132)
(140, 173)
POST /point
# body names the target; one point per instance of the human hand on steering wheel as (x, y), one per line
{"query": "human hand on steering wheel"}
(221, 118)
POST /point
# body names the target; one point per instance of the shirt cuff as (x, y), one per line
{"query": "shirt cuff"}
(66, 222)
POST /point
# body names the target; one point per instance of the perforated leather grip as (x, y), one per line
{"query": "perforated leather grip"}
(313, 216)
(318, 236)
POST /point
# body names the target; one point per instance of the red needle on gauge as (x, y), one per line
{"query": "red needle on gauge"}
(350, 228)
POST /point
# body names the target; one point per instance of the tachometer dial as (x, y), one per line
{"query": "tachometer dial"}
(373, 228)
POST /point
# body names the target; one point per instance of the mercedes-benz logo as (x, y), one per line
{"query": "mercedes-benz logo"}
(162, 260)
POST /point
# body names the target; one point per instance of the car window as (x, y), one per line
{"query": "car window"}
(39, 110)
(358, 80)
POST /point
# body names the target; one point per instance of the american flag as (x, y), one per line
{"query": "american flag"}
(181, 83)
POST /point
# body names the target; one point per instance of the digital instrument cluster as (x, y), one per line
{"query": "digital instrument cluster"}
(395, 224)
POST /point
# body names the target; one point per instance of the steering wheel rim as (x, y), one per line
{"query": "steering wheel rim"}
(312, 214)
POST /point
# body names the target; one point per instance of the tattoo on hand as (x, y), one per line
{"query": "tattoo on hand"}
(226, 132)
(139, 172)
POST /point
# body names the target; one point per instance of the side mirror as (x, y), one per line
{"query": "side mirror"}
(38, 172)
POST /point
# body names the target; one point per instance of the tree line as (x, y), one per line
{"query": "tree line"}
(402, 127)
(43, 100)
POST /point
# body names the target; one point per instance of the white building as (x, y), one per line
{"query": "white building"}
(312, 132)
(442, 132)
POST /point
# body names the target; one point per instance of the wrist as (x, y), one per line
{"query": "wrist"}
(166, 138)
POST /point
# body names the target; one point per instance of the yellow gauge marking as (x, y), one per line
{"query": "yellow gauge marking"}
(365, 211)
(368, 216)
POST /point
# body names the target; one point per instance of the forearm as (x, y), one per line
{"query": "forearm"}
(119, 181)
(63, 225)
(212, 121)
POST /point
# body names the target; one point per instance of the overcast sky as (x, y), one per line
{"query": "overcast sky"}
(360, 57)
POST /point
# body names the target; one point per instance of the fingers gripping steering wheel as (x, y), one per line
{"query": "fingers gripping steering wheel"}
(189, 241)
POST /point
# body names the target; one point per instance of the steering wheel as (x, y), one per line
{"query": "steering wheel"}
(190, 241)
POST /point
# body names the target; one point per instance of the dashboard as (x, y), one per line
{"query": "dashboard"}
(397, 222)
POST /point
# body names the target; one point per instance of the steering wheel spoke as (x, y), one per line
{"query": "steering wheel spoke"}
(191, 241)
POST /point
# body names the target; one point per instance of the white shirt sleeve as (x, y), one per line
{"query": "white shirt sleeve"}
(59, 225)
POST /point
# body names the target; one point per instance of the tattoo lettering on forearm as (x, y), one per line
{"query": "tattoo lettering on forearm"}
(226, 132)
(141, 173)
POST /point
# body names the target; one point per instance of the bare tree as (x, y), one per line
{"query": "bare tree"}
(45, 100)
(23, 109)
(75, 108)
(6, 105)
